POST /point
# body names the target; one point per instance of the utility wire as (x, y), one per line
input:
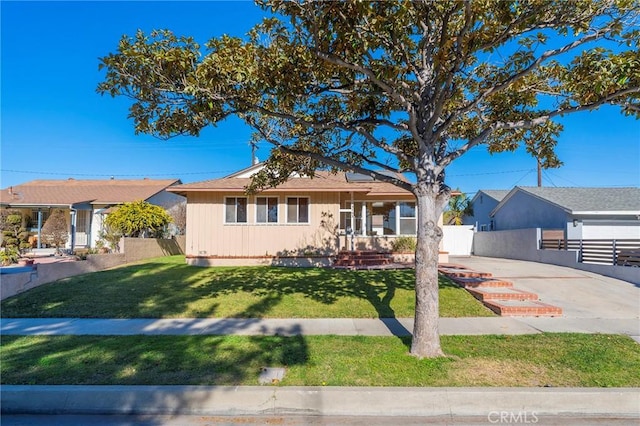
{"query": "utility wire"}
(112, 174)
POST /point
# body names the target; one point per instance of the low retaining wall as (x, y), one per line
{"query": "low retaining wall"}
(145, 248)
(44, 273)
(522, 244)
(133, 250)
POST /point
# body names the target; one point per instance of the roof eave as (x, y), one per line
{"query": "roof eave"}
(607, 212)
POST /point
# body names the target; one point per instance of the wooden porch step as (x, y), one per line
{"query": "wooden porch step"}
(522, 308)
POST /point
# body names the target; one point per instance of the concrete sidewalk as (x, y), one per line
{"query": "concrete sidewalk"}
(487, 403)
(319, 326)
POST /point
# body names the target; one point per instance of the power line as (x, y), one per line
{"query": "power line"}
(209, 172)
(525, 175)
(113, 174)
(548, 177)
(491, 173)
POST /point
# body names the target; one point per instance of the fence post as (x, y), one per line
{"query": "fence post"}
(615, 256)
(580, 252)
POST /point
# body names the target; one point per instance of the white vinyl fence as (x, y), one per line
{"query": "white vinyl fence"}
(457, 240)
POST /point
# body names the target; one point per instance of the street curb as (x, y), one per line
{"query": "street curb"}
(321, 401)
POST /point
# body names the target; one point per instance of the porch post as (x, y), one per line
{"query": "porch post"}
(353, 223)
(39, 245)
(73, 229)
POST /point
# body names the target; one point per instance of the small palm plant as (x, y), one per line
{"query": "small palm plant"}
(459, 207)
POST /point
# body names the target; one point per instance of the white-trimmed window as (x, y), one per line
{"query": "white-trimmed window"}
(235, 209)
(407, 218)
(267, 209)
(297, 210)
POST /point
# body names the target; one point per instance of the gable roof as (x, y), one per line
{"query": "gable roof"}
(323, 181)
(496, 194)
(584, 200)
(72, 191)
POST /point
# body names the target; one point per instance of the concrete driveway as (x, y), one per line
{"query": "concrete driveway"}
(580, 294)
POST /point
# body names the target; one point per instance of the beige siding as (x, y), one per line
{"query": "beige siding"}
(208, 235)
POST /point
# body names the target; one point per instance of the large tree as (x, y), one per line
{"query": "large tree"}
(390, 86)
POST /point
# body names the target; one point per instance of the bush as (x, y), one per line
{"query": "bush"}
(111, 236)
(404, 244)
(13, 225)
(139, 219)
(55, 231)
(9, 255)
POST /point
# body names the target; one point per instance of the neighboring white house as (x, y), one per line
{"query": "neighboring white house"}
(86, 202)
(582, 213)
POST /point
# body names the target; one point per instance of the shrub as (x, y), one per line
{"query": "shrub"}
(9, 255)
(139, 219)
(14, 232)
(404, 244)
(111, 236)
(55, 231)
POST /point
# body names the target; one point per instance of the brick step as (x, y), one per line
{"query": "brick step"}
(364, 256)
(361, 258)
(522, 308)
(464, 273)
(359, 252)
(471, 282)
(356, 262)
(501, 293)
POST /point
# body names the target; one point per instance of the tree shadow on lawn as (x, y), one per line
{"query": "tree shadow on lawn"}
(147, 360)
(155, 290)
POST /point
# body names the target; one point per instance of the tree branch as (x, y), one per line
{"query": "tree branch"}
(387, 88)
(513, 78)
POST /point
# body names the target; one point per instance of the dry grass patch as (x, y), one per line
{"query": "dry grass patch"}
(498, 372)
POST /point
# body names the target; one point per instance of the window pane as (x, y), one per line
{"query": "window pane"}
(407, 209)
(389, 218)
(407, 226)
(381, 218)
(273, 210)
(230, 210)
(345, 220)
(303, 210)
(242, 210)
(292, 210)
(261, 210)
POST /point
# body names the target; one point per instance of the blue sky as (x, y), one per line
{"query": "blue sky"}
(54, 125)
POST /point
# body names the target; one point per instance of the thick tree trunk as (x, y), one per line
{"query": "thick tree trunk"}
(426, 337)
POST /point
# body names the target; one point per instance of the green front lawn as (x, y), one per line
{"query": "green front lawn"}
(529, 360)
(168, 288)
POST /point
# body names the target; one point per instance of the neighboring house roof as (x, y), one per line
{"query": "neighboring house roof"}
(496, 194)
(323, 181)
(72, 191)
(584, 200)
